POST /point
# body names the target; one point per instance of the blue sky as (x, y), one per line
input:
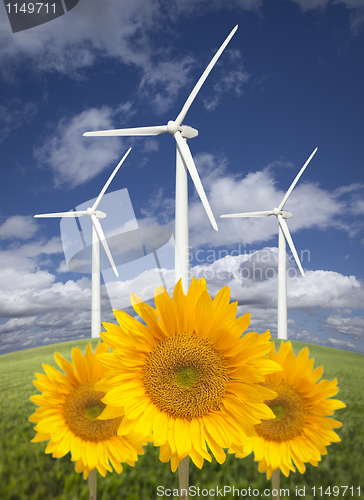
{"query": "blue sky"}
(290, 80)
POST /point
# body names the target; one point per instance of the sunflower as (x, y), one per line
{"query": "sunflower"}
(67, 415)
(187, 376)
(301, 430)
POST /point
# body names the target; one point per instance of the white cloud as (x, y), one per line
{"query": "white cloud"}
(355, 6)
(26, 258)
(252, 279)
(357, 19)
(308, 338)
(150, 146)
(39, 310)
(341, 344)
(78, 39)
(311, 205)
(75, 159)
(201, 6)
(311, 4)
(95, 30)
(63, 268)
(17, 325)
(22, 277)
(22, 227)
(231, 79)
(314, 4)
(352, 326)
(163, 81)
(13, 114)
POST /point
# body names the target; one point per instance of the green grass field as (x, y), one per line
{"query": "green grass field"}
(27, 473)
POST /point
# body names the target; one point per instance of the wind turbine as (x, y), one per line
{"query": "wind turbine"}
(283, 236)
(184, 162)
(97, 236)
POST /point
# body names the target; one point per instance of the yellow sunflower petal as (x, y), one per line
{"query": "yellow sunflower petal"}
(302, 428)
(178, 377)
(165, 311)
(68, 410)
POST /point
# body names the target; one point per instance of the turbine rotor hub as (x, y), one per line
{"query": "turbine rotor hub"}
(283, 213)
(172, 127)
(99, 215)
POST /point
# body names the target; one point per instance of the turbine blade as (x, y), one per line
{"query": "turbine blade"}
(100, 234)
(287, 235)
(129, 131)
(250, 214)
(285, 198)
(202, 79)
(63, 214)
(95, 205)
(186, 155)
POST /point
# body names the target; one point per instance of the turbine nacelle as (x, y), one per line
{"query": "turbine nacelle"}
(283, 213)
(99, 215)
(186, 131)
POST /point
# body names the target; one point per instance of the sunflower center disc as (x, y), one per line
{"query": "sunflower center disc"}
(290, 410)
(185, 376)
(81, 410)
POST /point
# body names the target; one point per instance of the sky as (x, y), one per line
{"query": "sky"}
(290, 80)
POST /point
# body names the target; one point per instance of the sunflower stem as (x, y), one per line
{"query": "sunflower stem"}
(275, 483)
(92, 484)
(183, 477)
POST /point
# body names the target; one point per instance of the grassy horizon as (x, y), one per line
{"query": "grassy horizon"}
(27, 473)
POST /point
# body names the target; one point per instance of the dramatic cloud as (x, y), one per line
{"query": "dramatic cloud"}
(352, 326)
(311, 205)
(314, 4)
(355, 6)
(163, 81)
(341, 344)
(18, 226)
(35, 309)
(311, 4)
(38, 309)
(13, 114)
(22, 272)
(73, 158)
(252, 279)
(95, 30)
(77, 40)
(231, 79)
(198, 7)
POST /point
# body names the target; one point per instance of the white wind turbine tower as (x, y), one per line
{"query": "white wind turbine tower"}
(184, 162)
(283, 236)
(97, 236)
